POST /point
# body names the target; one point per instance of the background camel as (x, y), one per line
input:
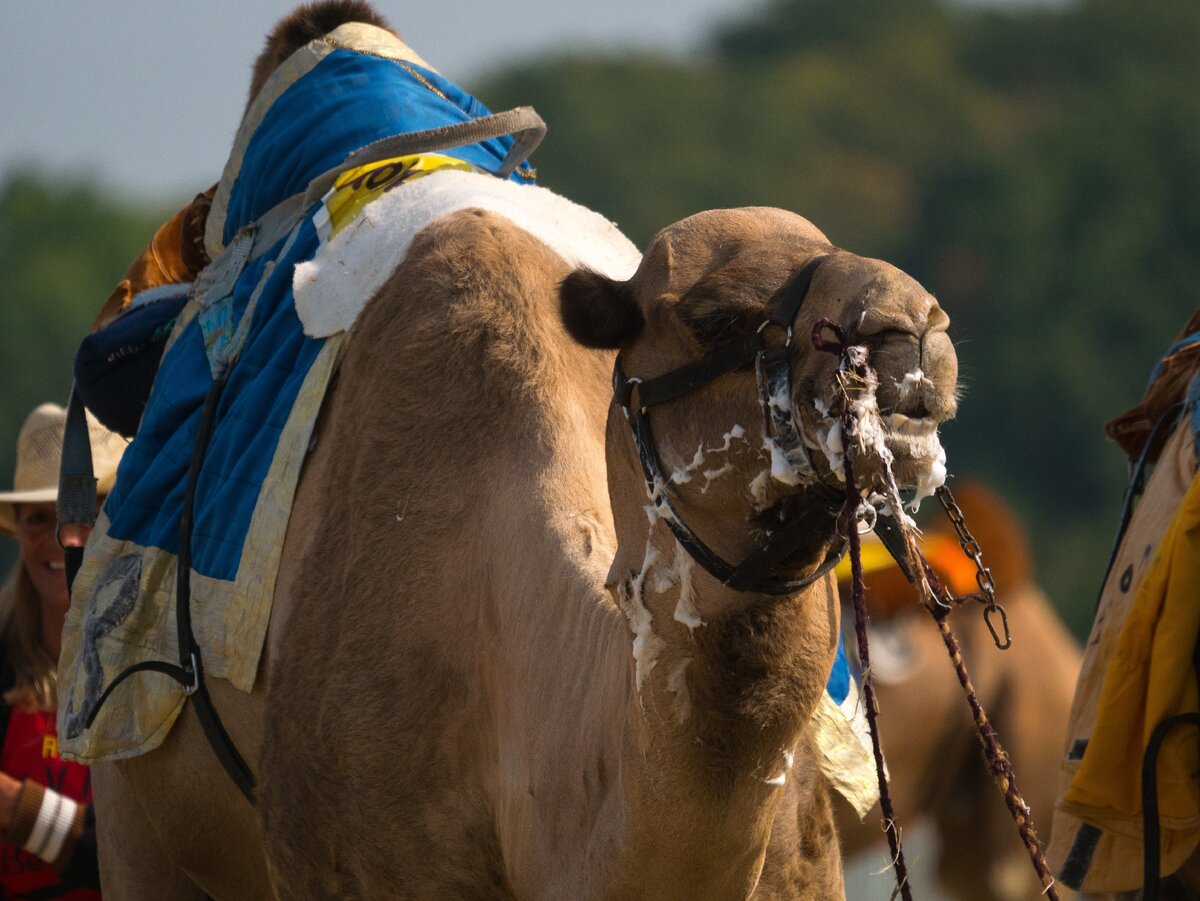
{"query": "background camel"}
(937, 774)
(478, 681)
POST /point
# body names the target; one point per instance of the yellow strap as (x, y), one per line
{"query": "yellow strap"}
(357, 187)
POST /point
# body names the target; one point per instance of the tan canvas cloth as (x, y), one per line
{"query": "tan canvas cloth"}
(1096, 837)
(123, 601)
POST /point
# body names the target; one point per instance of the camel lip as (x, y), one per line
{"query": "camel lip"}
(915, 443)
(898, 424)
(918, 461)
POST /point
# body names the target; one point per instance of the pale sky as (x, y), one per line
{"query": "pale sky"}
(146, 96)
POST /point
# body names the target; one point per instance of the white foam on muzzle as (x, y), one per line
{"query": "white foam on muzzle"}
(332, 289)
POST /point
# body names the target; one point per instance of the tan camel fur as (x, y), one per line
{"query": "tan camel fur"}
(452, 704)
(475, 684)
(465, 666)
(937, 774)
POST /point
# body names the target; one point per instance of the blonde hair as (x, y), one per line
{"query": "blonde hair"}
(35, 673)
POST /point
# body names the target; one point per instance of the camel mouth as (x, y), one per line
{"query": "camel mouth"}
(913, 442)
(901, 426)
(906, 445)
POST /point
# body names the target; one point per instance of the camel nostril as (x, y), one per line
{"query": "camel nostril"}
(937, 320)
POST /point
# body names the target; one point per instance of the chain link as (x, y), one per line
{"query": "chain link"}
(983, 575)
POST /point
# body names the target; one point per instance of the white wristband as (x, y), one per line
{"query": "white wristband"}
(53, 825)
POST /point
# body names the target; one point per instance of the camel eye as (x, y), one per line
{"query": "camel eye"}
(712, 324)
(716, 312)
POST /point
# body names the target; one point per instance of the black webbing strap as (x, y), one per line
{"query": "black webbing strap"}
(527, 129)
(189, 672)
(690, 376)
(76, 504)
(222, 744)
(183, 570)
(174, 670)
(786, 311)
(1151, 835)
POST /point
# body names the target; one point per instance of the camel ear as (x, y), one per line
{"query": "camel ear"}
(599, 312)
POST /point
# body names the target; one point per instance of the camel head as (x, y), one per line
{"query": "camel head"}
(711, 281)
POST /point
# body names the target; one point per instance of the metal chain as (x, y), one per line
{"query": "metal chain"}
(983, 575)
(938, 604)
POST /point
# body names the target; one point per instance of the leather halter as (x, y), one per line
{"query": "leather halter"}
(757, 573)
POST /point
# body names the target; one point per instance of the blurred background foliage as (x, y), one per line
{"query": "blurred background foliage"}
(1036, 167)
(64, 243)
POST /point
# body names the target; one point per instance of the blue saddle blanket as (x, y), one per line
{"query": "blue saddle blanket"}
(337, 94)
(348, 100)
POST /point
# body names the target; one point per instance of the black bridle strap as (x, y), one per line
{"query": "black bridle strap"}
(788, 308)
(687, 378)
(189, 672)
(747, 578)
(773, 373)
(656, 487)
(783, 542)
(727, 358)
(772, 369)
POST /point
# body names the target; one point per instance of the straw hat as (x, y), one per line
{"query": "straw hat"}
(39, 450)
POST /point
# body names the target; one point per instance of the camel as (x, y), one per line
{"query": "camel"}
(488, 672)
(938, 774)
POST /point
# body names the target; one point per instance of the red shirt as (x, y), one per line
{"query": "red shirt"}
(31, 752)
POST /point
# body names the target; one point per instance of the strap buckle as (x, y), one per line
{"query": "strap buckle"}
(193, 670)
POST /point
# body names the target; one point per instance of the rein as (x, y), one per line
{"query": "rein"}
(938, 601)
(854, 503)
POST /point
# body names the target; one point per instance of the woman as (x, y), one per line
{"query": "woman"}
(47, 831)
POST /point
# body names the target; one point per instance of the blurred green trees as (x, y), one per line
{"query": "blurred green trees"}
(1036, 167)
(63, 246)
